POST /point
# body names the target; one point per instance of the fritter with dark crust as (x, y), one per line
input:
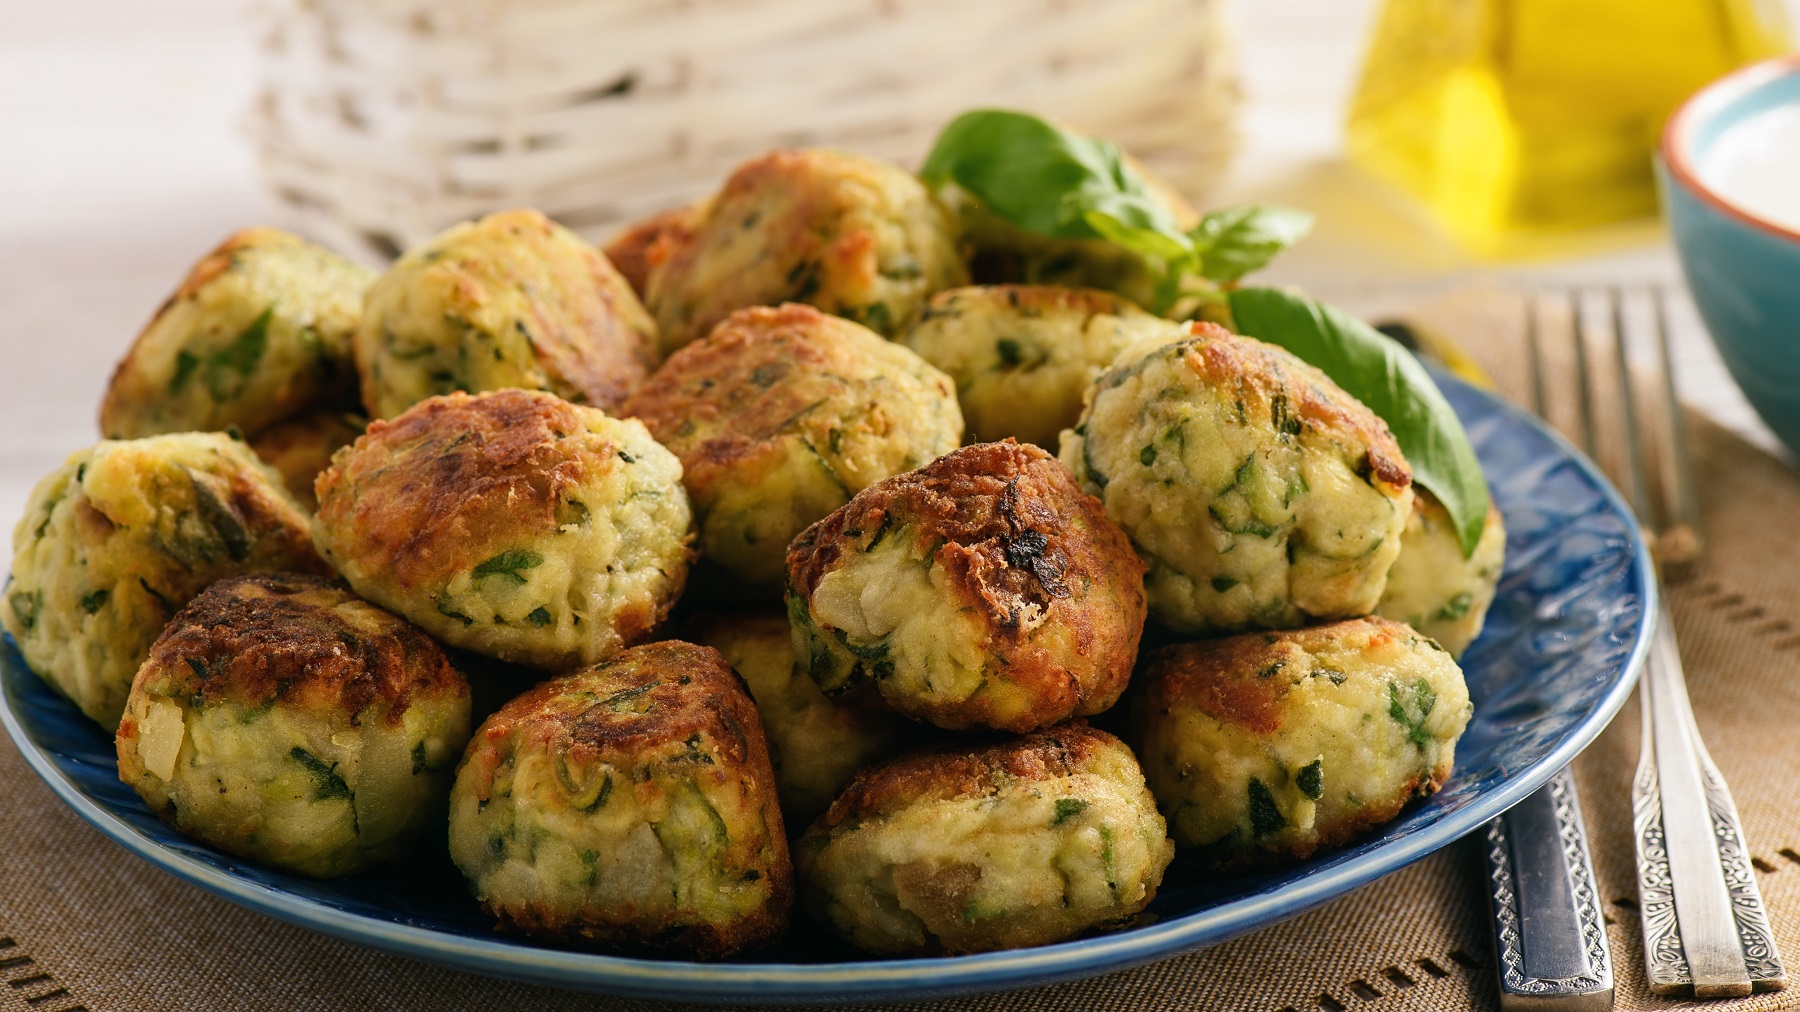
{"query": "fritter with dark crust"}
(1266, 748)
(628, 807)
(1261, 494)
(780, 415)
(281, 719)
(970, 848)
(513, 524)
(981, 590)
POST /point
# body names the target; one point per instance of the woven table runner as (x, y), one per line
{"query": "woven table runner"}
(85, 925)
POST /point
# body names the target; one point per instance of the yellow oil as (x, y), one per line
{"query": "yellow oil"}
(1515, 118)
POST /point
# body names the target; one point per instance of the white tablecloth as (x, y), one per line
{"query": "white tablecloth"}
(123, 160)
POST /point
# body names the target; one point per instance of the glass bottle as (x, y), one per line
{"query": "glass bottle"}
(1515, 118)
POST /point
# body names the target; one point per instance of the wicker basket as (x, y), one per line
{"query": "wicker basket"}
(382, 121)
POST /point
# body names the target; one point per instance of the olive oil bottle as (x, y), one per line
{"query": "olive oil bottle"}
(1515, 118)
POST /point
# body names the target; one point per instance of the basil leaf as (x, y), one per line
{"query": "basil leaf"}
(1234, 241)
(1053, 182)
(1376, 370)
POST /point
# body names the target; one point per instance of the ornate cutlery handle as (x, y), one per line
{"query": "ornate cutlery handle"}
(1550, 938)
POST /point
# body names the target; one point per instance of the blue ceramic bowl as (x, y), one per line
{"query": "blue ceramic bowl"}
(1744, 269)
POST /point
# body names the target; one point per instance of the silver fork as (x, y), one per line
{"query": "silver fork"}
(1706, 934)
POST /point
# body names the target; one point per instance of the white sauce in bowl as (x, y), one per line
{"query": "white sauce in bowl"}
(1755, 164)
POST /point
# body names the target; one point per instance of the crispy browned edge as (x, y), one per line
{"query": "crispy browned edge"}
(1017, 533)
(966, 768)
(1224, 679)
(1225, 360)
(694, 692)
(643, 244)
(705, 389)
(412, 494)
(264, 637)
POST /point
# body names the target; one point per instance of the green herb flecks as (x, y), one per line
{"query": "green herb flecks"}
(1311, 779)
(1147, 455)
(25, 607)
(508, 564)
(1265, 816)
(1410, 706)
(94, 600)
(1068, 808)
(444, 609)
(326, 782)
(1010, 352)
(540, 617)
(419, 761)
(185, 364)
(1221, 584)
(1378, 371)
(1455, 608)
(229, 368)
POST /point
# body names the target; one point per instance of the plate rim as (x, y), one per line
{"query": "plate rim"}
(898, 979)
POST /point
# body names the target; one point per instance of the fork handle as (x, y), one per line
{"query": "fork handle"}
(1549, 933)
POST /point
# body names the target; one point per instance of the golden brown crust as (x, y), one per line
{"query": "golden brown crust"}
(251, 639)
(1232, 679)
(660, 703)
(1023, 548)
(720, 403)
(1262, 372)
(299, 449)
(641, 246)
(952, 771)
(455, 471)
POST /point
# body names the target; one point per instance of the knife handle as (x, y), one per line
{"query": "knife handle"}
(1550, 937)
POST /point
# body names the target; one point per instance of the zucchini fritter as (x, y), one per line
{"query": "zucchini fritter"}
(511, 300)
(779, 416)
(1433, 587)
(513, 524)
(629, 806)
(854, 236)
(966, 848)
(1261, 494)
(281, 719)
(1022, 355)
(258, 331)
(982, 590)
(115, 541)
(1267, 747)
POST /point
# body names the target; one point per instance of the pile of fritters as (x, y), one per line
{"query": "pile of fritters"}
(800, 561)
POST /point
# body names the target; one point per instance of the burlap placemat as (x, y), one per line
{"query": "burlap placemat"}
(85, 925)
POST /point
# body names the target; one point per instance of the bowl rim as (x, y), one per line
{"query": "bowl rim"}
(1702, 105)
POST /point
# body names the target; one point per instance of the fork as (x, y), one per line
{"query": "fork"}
(1706, 933)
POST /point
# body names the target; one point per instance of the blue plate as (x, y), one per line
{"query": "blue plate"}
(1563, 646)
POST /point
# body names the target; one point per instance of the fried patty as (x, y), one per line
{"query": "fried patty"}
(121, 536)
(980, 846)
(511, 523)
(854, 236)
(981, 590)
(627, 807)
(1266, 748)
(1260, 494)
(510, 300)
(282, 719)
(258, 331)
(780, 415)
